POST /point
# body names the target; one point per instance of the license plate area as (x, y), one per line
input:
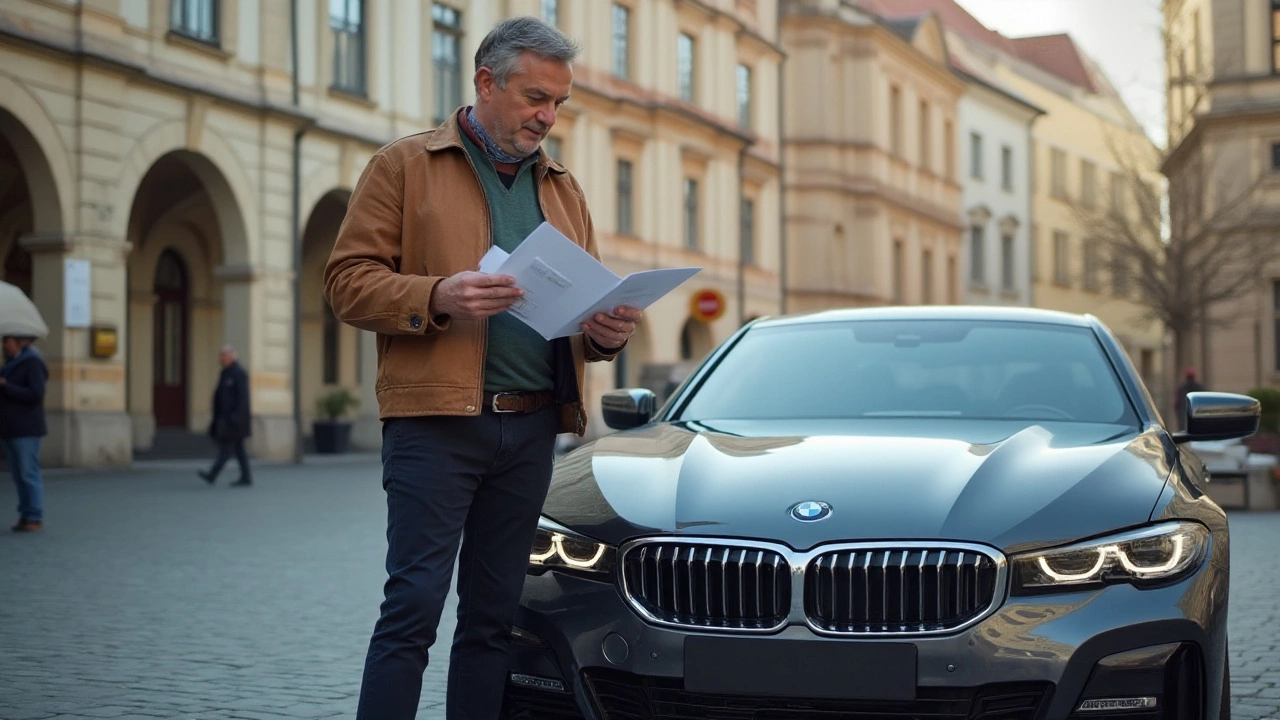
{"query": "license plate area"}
(778, 667)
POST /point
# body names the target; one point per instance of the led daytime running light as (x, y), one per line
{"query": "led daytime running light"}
(1122, 556)
(557, 548)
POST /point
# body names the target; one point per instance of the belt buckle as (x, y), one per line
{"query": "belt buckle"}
(494, 403)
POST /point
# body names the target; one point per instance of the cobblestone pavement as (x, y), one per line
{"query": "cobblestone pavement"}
(151, 595)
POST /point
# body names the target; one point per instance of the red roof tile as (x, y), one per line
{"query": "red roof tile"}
(1057, 55)
(953, 16)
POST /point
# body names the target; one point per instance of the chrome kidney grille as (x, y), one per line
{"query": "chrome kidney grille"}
(898, 590)
(708, 586)
(862, 589)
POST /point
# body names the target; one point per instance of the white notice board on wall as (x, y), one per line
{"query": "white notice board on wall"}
(79, 303)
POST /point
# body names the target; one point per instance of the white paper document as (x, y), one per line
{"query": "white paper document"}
(564, 285)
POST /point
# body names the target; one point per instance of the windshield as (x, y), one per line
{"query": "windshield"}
(914, 368)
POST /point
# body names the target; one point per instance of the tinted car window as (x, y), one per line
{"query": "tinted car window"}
(926, 368)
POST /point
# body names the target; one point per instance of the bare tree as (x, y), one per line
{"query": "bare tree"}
(1188, 250)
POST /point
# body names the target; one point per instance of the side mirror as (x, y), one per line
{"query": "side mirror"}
(1220, 416)
(627, 408)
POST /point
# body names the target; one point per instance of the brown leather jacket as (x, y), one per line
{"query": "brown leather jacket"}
(418, 215)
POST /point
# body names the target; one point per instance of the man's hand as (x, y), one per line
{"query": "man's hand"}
(474, 295)
(610, 331)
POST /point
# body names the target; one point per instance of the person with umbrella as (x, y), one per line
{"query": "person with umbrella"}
(23, 377)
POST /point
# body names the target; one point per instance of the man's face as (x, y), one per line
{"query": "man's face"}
(226, 357)
(11, 347)
(520, 115)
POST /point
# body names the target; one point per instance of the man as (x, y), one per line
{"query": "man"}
(22, 426)
(231, 418)
(1189, 384)
(471, 398)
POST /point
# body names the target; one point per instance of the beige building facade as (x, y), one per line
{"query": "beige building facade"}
(873, 205)
(1223, 92)
(1080, 150)
(158, 160)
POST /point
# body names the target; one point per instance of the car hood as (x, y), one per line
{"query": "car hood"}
(999, 483)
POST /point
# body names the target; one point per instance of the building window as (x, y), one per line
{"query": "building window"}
(1006, 168)
(684, 66)
(1088, 184)
(744, 96)
(925, 148)
(346, 18)
(329, 362)
(1117, 195)
(1275, 323)
(625, 198)
(1061, 258)
(1007, 280)
(1120, 281)
(1058, 174)
(551, 12)
(977, 255)
(748, 249)
(621, 38)
(975, 155)
(899, 273)
(895, 120)
(1091, 265)
(196, 19)
(949, 147)
(553, 147)
(1275, 36)
(446, 53)
(690, 214)
(953, 285)
(926, 277)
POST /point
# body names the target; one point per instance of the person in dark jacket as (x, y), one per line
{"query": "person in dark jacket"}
(22, 426)
(230, 424)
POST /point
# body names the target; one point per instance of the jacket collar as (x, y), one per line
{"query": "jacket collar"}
(449, 135)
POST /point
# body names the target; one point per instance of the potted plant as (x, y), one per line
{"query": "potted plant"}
(331, 432)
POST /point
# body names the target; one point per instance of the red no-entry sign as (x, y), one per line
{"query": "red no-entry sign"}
(707, 305)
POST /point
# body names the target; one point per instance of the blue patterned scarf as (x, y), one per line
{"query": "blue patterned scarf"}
(495, 153)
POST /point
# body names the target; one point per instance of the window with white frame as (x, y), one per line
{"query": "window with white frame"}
(975, 156)
(626, 197)
(446, 55)
(684, 66)
(977, 255)
(196, 19)
(744, 95)
(1007, 279)
(1006, 167)
(748, 248)
(621, 40)
(690, 214)
(346, 19)
(1061, 258)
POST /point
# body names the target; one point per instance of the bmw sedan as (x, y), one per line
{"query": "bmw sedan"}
(969, 513)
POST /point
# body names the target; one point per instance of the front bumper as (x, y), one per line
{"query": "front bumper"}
(581, 652)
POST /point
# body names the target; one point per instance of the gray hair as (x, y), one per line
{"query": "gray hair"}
(501, 49)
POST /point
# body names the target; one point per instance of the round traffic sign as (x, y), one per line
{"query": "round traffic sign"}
(707, 305)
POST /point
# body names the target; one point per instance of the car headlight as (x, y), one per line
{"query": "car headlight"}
(558, 548)
(1150, 556)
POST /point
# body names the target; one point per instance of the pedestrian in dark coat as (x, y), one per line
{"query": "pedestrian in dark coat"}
(231, 418)
(22, 426)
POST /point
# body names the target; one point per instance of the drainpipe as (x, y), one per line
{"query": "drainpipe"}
(742, 250)
(296, 238)
(782, 168)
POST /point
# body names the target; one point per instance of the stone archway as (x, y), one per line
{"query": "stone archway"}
(29, 201)
(179, 234)
(331, 351)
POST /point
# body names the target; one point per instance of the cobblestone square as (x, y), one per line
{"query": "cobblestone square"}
(152, 595)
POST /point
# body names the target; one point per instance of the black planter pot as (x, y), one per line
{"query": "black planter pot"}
(331, 436)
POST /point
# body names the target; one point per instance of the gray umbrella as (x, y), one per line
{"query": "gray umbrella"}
(18, 315)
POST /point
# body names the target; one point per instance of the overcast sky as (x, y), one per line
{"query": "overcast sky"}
(1123, 36)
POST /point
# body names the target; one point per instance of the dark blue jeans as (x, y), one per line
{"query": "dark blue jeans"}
(481, 480)
(23, 456)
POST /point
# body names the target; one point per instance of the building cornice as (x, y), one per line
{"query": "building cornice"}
(1205, 122)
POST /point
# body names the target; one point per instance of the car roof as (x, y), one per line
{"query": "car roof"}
(934, 312)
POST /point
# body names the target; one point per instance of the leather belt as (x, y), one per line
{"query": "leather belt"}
(519, 402)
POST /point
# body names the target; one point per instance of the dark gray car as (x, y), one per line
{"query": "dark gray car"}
(890, 513)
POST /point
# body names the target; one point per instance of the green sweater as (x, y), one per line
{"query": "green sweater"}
(518, 358)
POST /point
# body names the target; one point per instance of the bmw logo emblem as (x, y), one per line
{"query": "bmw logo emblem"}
(810, 511)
